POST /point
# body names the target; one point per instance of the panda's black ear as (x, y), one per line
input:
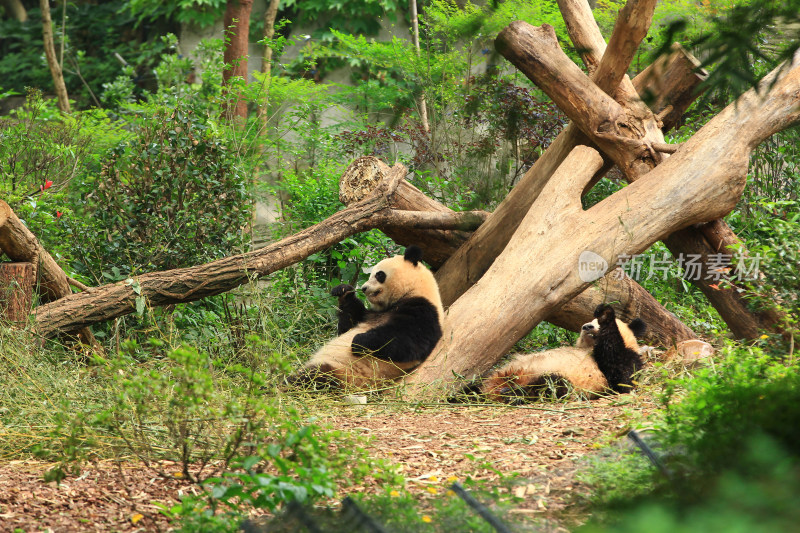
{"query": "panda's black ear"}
(413, 254)
(604, 314)
(638, 327)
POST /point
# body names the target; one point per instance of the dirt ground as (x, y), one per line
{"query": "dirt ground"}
(433, 445)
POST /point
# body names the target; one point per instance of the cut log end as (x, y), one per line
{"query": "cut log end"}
(16, 291)
(361, 178)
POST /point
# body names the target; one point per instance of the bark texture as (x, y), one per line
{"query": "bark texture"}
(472, 260)
(19, 244)
(365, 174)
(52, 61)
(237, 30)
(270, 14)
(624, 133)
(701, 182)
(193, 283)
(16, 291)
(633, 301)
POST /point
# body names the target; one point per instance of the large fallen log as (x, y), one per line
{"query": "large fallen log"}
(701, 182)
(193, 283)
(627, 135)
(631, 300)
(676, 86)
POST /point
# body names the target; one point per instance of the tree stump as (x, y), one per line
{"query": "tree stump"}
(16, 291)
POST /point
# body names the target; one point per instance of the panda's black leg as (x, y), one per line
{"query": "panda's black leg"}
(316, 377)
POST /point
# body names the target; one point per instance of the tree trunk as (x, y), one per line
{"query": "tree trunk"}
(701, 182)
(19, 244)
(50, 54)
(423, 106)
(270, 15)
(366, 173)
(675, 88)
(708, 240)
(625, 134)
(193, 283)
(16, 291)
(237, 29)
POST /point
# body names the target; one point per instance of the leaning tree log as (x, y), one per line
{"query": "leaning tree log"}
(629, 136)
(632, 301)
(193, 283)
(701, 182)
(19, 244)
(713, 238)
(675, 85)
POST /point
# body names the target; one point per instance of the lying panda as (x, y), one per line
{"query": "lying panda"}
(605, 358)
(398, 333)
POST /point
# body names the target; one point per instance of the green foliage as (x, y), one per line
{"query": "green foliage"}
(175, 183)
(728, 434)
(359, 16)
(94, 35)
(400, 511)
(261, 453)
(772, 240)
(616, 477)
(37, 145)
(42, 156)
(200, 12)
(772, 172)
(734, 43)
(762, 500)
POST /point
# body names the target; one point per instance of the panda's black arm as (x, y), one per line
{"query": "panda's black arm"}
(351, 310)
(409, 335)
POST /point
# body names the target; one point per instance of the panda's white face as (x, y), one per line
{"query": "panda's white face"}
(396, 278)
(588, 334)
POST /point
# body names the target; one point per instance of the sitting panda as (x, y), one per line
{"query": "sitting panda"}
(605, 357)
(396, 334)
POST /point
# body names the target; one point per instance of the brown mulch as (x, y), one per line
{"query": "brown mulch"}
(532, 451)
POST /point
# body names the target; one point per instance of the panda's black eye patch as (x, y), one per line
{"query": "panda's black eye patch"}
(380, 276)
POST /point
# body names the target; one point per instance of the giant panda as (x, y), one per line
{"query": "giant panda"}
(604, 358)
(396, 334)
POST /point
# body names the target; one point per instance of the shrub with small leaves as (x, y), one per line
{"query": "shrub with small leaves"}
(172, 196)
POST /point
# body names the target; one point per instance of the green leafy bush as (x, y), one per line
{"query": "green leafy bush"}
(771, 230)
(173, 195)
(231, 434)
(728, 434)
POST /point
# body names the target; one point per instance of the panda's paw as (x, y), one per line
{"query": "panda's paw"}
(604, 314)
(342, 290)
